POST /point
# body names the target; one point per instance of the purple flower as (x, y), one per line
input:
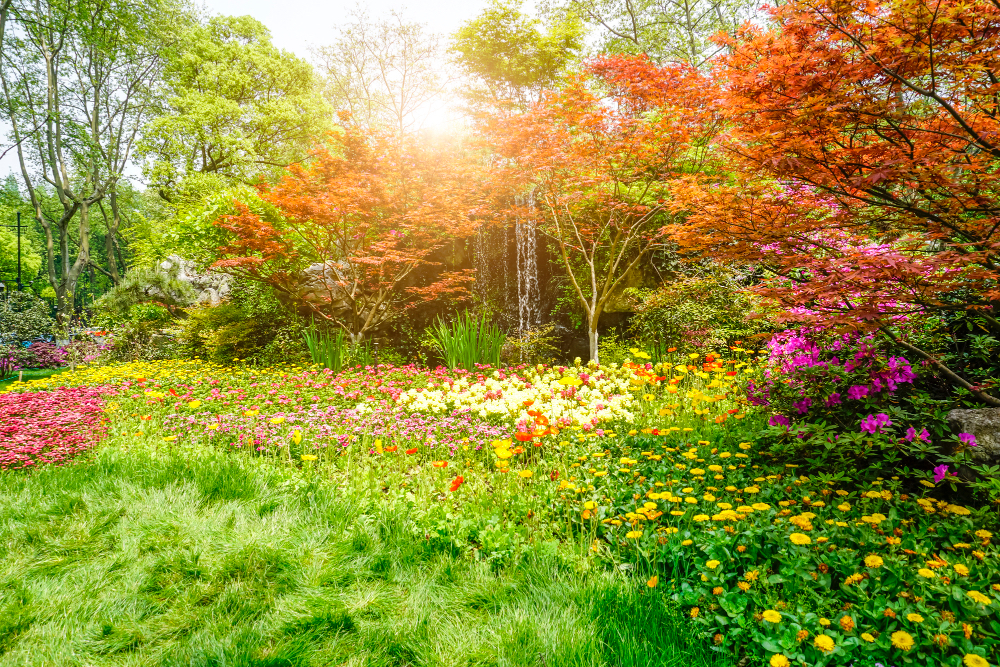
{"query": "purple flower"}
(779, 420)
(940, 472)
(967, 439)
(875, 423)
(857, 392)
(833, 399)
(802, 407)
(911, 435)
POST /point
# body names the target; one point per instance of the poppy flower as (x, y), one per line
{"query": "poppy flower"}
(411, 451)
(390, 450)
(440, 464)
(457, 482)
(523, 437)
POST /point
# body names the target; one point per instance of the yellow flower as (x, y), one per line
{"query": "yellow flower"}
(278, 420)
(712, 564)
(687, 543)
(961, 569)
(194, 404)
(694, 612)
(653, 581)
(867, 637)
(979, 597)
(170, 438)
(633, 534)
(701, 517)
(772, 616)
(779, 660)
(915, 618)
(844, 507)
(590, 505)
(309, 457)
(926, 574)
(902, 640)
(973, 660)
(824, 643)
(297, 437)
(800, 539)
(874, 561)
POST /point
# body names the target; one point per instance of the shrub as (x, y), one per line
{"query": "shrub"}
(45, 355)
(468, 340)
(24, 316)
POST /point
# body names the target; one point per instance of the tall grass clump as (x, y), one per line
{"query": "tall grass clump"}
(468, 340)
(333, 350)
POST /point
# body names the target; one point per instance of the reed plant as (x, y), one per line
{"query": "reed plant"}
(468, 340)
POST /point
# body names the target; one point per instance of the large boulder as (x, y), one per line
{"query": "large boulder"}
(984, 424)
(210, 287)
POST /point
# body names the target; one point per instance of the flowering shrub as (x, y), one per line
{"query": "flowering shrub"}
(45, 355)
(49, 426)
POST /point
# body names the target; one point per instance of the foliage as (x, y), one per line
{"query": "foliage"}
(332, 349)
(384, 74)
(510, 58)
(354, 226)
(467, 341)
(144, 286)
(865, 186)
(24, 316)
(238, 108)
(664, 30)
(538, 345)
(696, 313)
(45, 355)
(587, 162)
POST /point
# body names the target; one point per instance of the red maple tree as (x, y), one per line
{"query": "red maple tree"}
(352, 226)
(864, 143)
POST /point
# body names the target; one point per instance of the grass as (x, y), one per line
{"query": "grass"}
(33, 374)
(167, 559)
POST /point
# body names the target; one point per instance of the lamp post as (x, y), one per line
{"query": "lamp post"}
(18, 227)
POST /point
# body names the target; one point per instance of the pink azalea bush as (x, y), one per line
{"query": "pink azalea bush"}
(50, 427)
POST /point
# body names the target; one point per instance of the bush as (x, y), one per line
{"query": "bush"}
(45, 355)
(695, 314)
(24, 316)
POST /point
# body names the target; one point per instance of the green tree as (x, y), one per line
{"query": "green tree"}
(676, 31)
(237, 109)
(509, 56)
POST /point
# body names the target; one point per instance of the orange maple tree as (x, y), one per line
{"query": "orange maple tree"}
(352, 226)
(865, 141)
(589, 162)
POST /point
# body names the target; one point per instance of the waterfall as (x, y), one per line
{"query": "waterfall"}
(528, 293)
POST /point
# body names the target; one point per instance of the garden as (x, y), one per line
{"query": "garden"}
(678, 353)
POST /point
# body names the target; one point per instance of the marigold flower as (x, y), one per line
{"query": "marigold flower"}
(847, 623)
(960, 569)
(717, 590)
(800, 539)
(712, 564)
(867, 636)
(902, 640)
(926, 573)
(772, 616)
(874, 561)
(801, 635)
(653, 581)
(979, 597)
(779, 660)
(743, 586)
(941, 640)
(694, 612)
(824, 643)
(915, 618)
(973, 660)
(633, 534)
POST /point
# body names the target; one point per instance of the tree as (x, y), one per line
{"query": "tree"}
(678, 31)
(77, 80)
(596, 164)
(353, 226)
(868, 190)
(510, 60)
(237, 109)
(384, 73)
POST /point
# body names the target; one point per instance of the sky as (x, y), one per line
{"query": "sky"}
(297, 25)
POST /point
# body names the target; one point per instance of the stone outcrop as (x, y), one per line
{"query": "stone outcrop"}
(210, 287)
(984, 424)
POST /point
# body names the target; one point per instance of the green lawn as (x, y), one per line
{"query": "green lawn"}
(135, 558)
(33, 374)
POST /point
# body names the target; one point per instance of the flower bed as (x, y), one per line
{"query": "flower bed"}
(50, 427)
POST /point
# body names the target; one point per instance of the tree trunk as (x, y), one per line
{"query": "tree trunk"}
(592, 338)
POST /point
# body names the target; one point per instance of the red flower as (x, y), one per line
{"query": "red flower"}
(523, 437)
(411, 451)
(457, 482)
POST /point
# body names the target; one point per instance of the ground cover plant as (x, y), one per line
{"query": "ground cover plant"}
(642, 469)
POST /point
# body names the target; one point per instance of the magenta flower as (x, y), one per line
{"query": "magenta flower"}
(875, 423)
(940, 472)
(967, 439)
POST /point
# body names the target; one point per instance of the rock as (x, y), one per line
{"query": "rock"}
(984, 424)
(210, 287)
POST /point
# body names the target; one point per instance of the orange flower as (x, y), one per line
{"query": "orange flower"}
(457, 482)
(440, 464)
(889, 613)
(523, 437)
(390, 450)
(411, 451)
